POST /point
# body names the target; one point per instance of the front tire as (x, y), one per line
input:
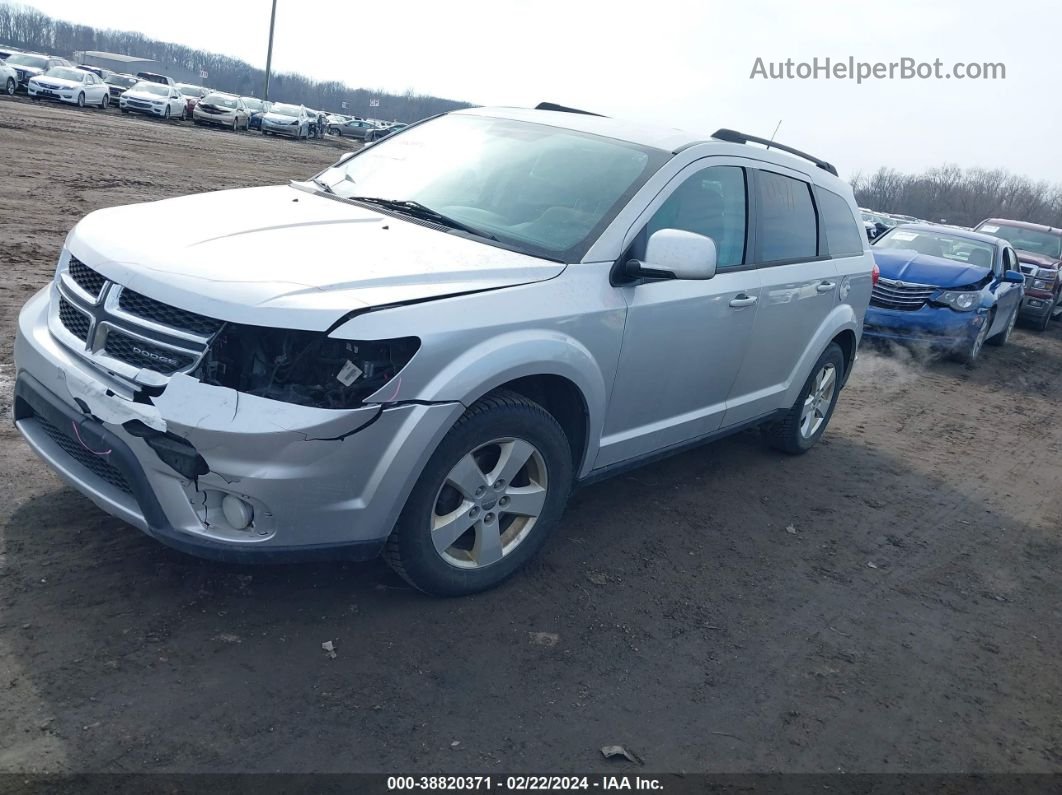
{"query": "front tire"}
(166, 113)
(10, 87)
(1003, 337)
(806, 421)
(105, 102)
(81, 100)
(487, 499)
(973, 353)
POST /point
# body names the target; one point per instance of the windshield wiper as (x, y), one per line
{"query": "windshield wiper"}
(415, 209)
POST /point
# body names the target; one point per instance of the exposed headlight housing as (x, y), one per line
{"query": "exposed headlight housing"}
(303, 367)
(959, 300)
(1043, 284)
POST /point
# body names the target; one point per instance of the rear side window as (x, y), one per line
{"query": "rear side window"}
(711, 203)
(842, 235)
(788, 229)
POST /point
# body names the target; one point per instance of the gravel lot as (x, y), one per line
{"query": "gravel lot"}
(888, 602)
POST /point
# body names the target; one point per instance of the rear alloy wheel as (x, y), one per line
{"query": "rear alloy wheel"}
(1003, 337)
(81, 100)
(10, 86)
(487, 499)
(806, 420)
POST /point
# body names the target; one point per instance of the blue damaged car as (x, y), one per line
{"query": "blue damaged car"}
(945, 288)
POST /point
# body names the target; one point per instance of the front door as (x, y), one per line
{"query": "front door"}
(684, 341)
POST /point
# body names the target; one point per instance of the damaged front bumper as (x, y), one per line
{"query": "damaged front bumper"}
(320, 482)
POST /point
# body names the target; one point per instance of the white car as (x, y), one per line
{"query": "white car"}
(154, 99)
(66, 84)
(8, 78)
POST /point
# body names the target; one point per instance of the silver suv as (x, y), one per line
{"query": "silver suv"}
(517, 301)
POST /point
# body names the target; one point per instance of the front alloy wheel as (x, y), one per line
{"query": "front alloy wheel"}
(486, 500)
(10, 87)
(489, 503)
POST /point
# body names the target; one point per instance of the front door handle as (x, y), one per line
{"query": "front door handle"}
(825, 287)
(743, 300)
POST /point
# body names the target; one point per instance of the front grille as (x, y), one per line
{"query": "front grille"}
(86, 278)
(891, 295)
(157, 312)
(144, 354)
(98, 463)
(75, 321)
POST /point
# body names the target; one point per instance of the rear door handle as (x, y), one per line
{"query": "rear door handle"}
(825, 287)
(743, 300)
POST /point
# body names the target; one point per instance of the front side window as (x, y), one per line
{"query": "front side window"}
(547, 191)
(787, 227)
(711, 203)
(843, 237)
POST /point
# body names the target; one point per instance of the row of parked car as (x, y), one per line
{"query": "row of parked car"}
(54, 78)
(956, 289)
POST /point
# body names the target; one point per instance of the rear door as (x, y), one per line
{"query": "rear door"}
(800, 288)
(684, 341)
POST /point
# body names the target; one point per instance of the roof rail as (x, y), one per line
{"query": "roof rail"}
(563, 109)
(733, 136)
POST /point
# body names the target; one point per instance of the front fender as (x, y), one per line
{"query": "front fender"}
(518, 354)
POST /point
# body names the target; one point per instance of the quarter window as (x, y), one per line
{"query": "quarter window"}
(711, 203)
(842, 235)
(787, 228)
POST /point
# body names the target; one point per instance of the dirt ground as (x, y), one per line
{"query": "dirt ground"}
(889, 602)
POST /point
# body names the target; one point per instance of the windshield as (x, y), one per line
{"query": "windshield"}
(189, 90)
(543, 190)
(22, 59)
(1032, 240)
(939, 244)
(252, 103)
(118, 80)
(65, 73)
(285, 110)
(147, 87)
(220, 100)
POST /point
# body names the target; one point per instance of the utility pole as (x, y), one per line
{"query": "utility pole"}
(269, 53)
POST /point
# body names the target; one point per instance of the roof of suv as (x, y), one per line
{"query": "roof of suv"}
(1023, 225)
(667, 139)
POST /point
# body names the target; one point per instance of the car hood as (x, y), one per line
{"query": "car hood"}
(144, 95)
(907, 265)
(1038, 260)
(285, 257)
(62, 82)
(280, 118)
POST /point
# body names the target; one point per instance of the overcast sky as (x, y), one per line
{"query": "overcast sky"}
(679, 64)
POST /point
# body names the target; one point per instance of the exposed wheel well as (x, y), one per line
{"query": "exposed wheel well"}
(847, 340)
(561, 398)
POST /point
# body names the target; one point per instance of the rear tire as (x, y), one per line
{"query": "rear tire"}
(806, 421)
(454, 535)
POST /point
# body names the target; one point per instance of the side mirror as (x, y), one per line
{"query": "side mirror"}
(676, 254)
(1014, 277)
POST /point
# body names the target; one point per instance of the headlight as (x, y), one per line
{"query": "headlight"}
(303, 367)
(1042, 284)
(959, 300)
